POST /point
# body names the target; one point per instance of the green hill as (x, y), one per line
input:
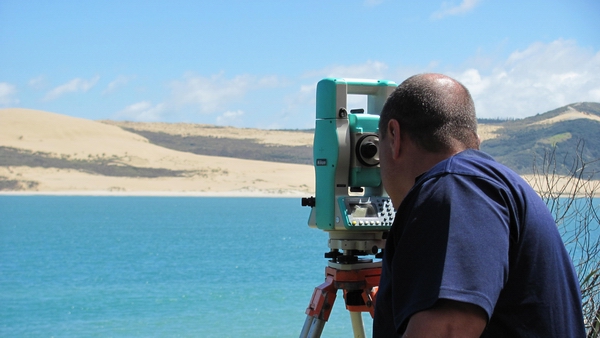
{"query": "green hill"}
(566, 132)
(571, 133)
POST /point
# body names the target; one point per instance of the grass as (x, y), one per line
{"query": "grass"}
(11, 157)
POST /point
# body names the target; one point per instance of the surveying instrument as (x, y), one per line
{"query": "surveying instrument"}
(350, 203)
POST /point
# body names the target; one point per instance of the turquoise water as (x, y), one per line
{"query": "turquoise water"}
(159, 267)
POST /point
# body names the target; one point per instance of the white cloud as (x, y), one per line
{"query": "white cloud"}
(8, 94)
(142, 111)
(75, 85)
(210, 94)
(298, 108)
(367, 70)
(121, 80)
(301, 98)
(540, 78)
(38, 82)
(449, 9)
(230, 118)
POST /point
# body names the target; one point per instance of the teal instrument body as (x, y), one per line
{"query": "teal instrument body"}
(350, 204)
(349, 194)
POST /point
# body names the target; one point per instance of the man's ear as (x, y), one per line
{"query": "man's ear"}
(393, 131)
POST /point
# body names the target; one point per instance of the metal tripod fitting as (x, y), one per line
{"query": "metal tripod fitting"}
(360, 290)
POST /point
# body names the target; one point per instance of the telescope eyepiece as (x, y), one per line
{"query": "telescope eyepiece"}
(368, 150)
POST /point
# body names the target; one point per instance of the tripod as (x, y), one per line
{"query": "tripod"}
(360, 283)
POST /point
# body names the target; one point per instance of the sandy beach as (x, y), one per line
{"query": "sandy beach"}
(64, 137)
(61, 136)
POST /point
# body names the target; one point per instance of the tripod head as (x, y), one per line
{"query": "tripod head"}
(350, 203)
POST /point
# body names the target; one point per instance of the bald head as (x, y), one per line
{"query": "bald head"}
(435, 111)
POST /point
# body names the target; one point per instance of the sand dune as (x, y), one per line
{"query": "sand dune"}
(269, 137)
(76, 138)
(571, 114)
(489, 131)
(68, 137)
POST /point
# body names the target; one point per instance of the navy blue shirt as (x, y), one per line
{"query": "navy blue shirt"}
(473, 231)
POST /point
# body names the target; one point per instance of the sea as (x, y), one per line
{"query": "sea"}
(115, 266)
(108, 266)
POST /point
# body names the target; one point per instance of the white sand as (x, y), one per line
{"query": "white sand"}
(76, 138)
(268, 137)
(487, 131)
(570, 114)
(69, 137)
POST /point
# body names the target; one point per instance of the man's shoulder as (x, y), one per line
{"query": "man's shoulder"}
(473, 162)
(473, 172)
(477, 165)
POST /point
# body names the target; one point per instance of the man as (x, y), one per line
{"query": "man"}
(473, 250)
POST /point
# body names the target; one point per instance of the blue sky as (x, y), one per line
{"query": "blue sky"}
(256, 63)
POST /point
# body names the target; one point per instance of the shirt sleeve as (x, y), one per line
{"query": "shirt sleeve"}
(453, 244)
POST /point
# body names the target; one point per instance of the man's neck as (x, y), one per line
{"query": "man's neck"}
(417, 163)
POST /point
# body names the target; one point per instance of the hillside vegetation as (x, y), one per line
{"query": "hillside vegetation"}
(52, 152)
(48, 152)
(520, 143)
(249, 149)
(517, 143)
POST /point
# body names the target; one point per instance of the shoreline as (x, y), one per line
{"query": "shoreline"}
(559, 185)
(227, 194)
(100, 193)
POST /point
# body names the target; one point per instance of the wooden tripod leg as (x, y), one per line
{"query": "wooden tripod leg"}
(319, 308)
(360, 290)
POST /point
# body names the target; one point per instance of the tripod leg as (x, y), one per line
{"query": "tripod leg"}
(319, 308)
(360, 290)
(313, 327)
(357, 324)
(306, 328)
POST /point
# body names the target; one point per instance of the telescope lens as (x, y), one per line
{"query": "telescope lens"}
(368, 150)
